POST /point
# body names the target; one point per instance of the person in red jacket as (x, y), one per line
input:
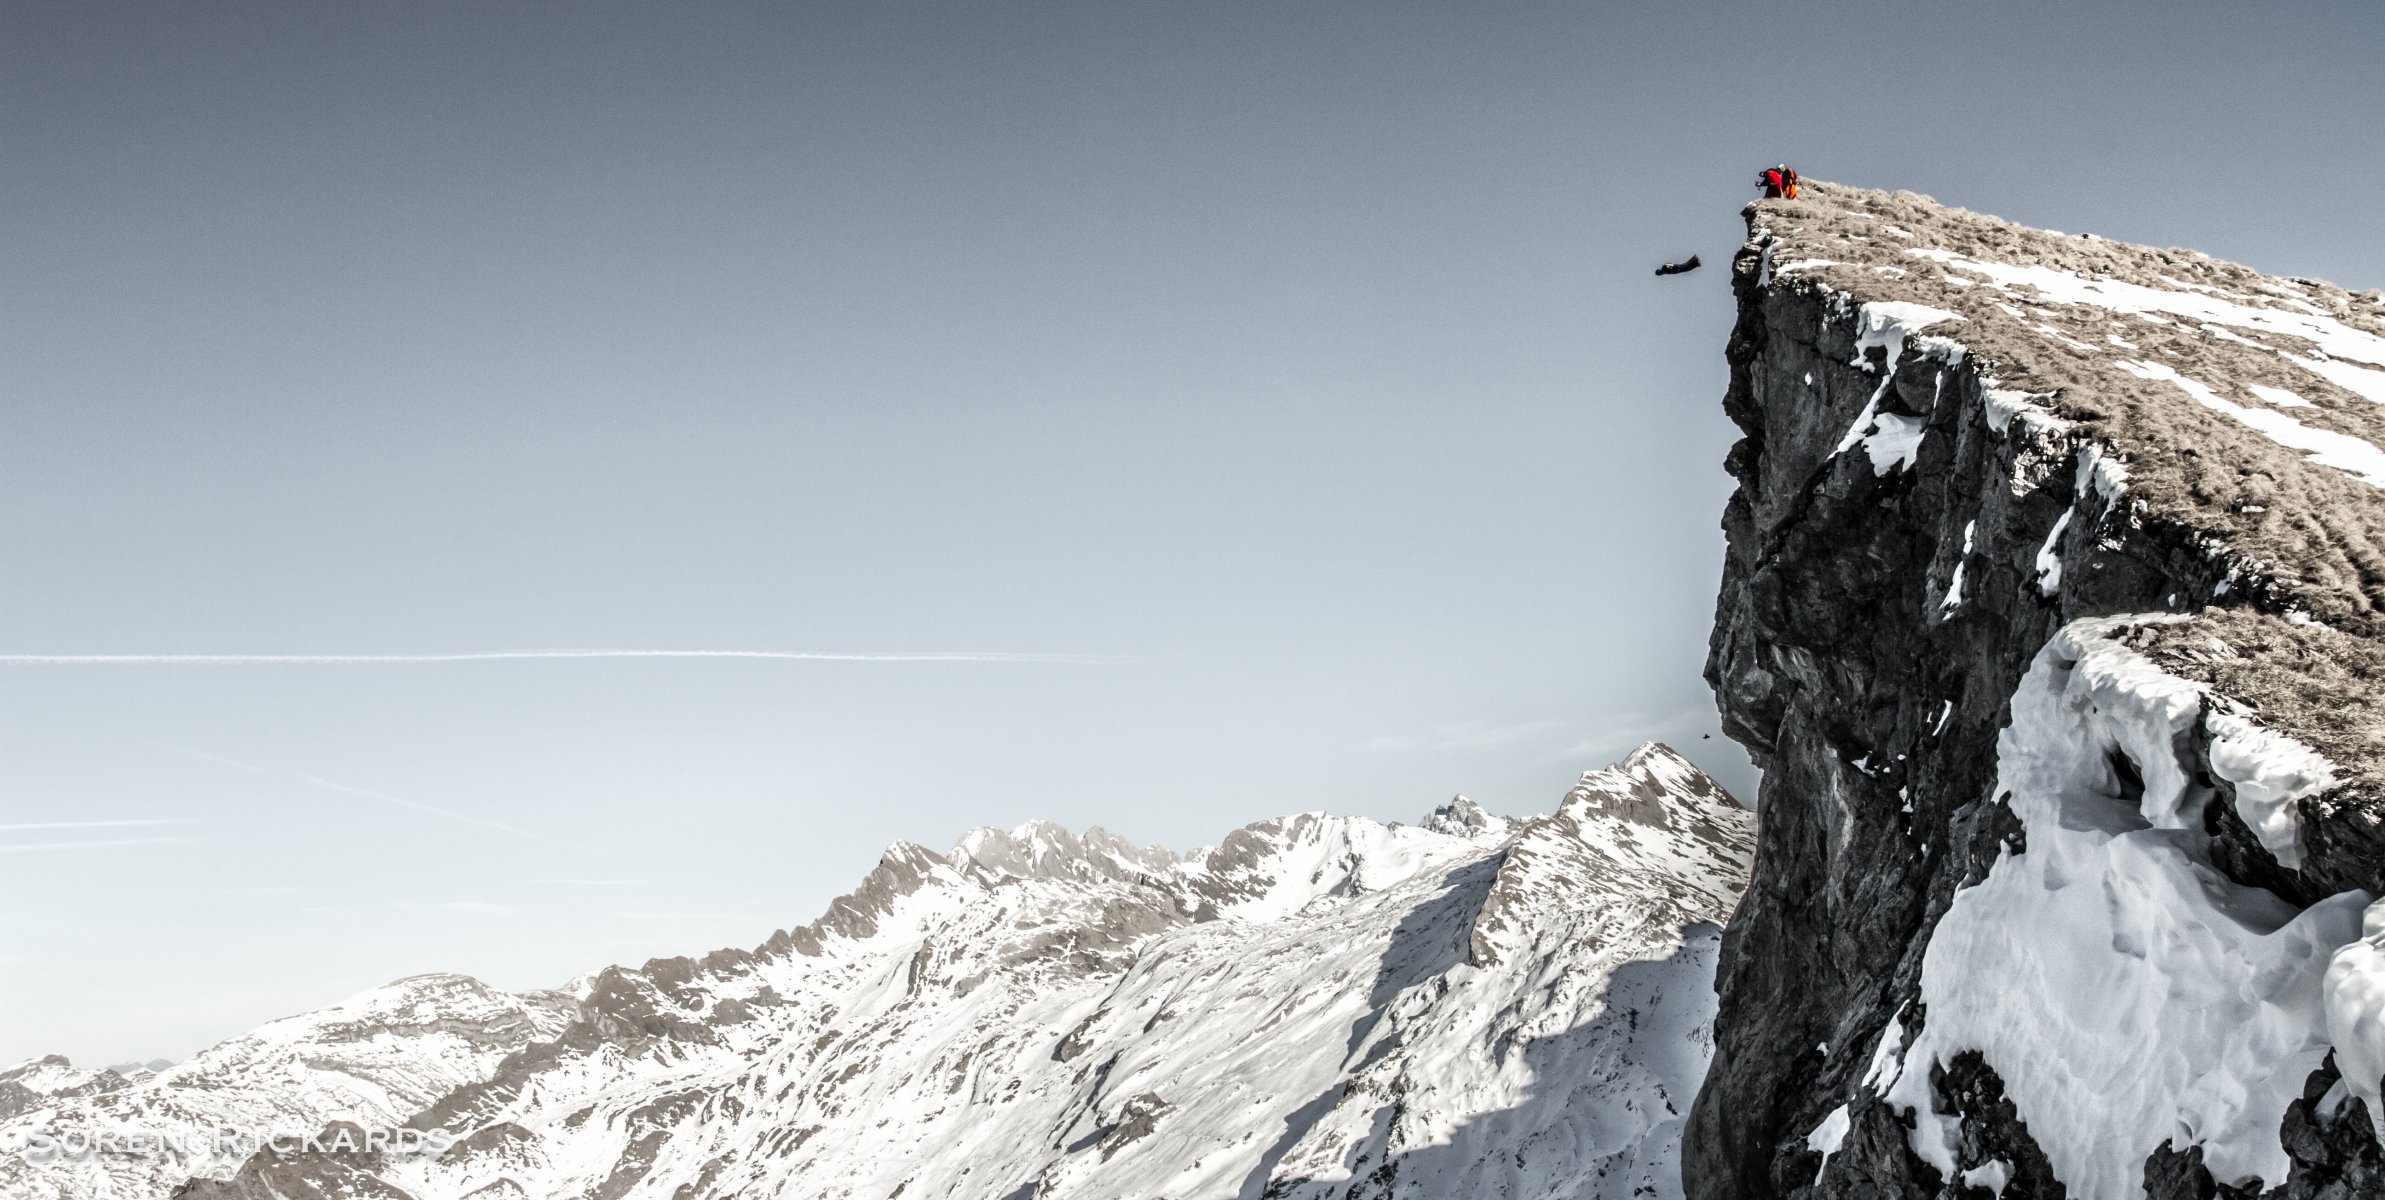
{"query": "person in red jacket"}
(1779, 183)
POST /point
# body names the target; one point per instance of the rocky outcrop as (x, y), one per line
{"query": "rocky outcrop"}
(1987, 812)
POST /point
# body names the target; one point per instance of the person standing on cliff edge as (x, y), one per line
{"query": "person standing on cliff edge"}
(1779, 183)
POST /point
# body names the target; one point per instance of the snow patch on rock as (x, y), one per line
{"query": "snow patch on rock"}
(2126, 991)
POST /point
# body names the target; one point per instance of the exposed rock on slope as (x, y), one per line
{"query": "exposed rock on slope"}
(51, 1080)
(1317, 1007)
(375, 1059)
(2048, 903)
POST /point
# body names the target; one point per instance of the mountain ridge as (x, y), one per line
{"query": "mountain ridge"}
(1085, 1017)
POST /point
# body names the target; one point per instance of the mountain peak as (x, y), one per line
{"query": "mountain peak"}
(1652, 828)
(1651, 786)
(1464, 818)
(1047, 850)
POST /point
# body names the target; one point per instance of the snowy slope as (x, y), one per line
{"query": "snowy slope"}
(1317, 1006)
(51, 1080)
(375, 1059)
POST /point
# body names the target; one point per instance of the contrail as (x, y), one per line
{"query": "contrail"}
(303, 660)
(27, 826)
(384, 797)
(32, 847)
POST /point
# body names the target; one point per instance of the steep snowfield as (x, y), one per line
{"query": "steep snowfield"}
(1319, 1006)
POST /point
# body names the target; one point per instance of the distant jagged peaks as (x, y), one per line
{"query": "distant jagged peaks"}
(1044, 849)
(38, 1083)
(376, 1058)
(49, 1079)
(1076, 1017)
(1464, 818)
(1274, 867)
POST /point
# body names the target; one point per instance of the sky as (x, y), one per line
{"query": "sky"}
(1233, 409)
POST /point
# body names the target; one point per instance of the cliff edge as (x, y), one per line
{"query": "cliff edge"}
(2053, 611)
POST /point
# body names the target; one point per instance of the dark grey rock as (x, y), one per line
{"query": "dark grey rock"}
(1873, 708)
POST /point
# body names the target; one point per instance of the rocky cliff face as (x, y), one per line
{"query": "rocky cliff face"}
(1316, 1007)
(2052, 612)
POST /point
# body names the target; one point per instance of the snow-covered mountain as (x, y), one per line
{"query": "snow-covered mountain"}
(42, 1081)
(376, 1059)
(1318, 1006)
(2054, 612)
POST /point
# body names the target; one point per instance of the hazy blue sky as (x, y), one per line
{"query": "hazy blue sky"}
(1305, 355)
